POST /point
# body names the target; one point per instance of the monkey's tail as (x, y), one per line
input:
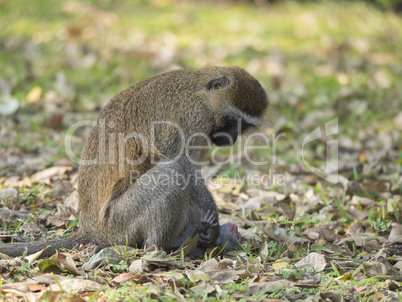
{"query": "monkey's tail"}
(18, 249)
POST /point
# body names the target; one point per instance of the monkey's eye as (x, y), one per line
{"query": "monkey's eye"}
(218, 83)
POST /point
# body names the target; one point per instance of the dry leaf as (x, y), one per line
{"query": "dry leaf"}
(272, 286)
(34, 95)
(197, 275)
(226, 263)
(280, 264)
(396, 233)
(189, 245)
(313, 261)
(136, 267)
(8, 193)
(202, 289)
(55, 121)
(138, 279)
(37, 288)
(211, 268)
(331, 296)
(15, 288)
(61, 187)
(46, 175)
(45, 279)
(75, 285)
(358, 227)
(31, 258)
(106, 255)
(326, 232)
(383, 270)
(160, 259)
(8, 105)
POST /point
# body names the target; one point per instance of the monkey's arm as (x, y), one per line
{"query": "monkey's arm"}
(203, 230)
(202, 199)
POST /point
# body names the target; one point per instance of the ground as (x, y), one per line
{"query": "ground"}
(318, 202)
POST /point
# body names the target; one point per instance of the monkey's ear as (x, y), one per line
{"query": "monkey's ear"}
(218, 83)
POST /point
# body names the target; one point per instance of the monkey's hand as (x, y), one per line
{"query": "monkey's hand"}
(209, 228)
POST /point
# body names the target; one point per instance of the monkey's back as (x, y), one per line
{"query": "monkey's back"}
(139, 127)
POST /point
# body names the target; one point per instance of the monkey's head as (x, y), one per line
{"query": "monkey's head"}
(238, 101)
(229, 236)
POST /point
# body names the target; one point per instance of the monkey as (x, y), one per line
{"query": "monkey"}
(139, 181)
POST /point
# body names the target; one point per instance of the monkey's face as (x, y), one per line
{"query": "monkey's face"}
(239, 101)
(226, 135)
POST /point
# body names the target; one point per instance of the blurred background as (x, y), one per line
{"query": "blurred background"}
(62, 61)
(321, 62)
